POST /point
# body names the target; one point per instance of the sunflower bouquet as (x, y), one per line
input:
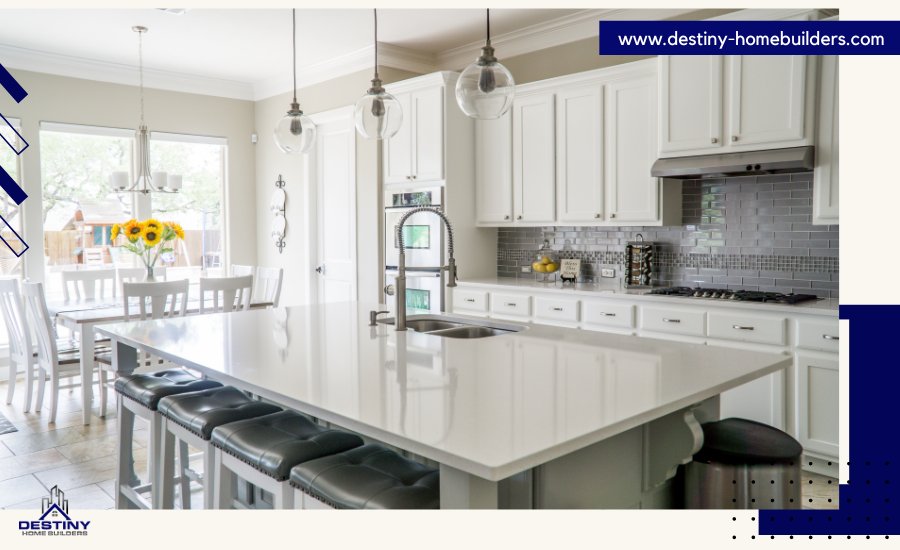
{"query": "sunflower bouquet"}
(148, 239)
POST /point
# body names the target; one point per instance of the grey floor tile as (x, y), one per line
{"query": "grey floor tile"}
(20, 489)
(4, 451)
(90, 449)
(19, 465)
(89, 472)
(90, 497)
(31, 442)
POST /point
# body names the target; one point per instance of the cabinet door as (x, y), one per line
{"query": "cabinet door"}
(632, 194)
(767, 99)
(397, 154)
(690, 103)
(493, 170)
(427, 108)
(534, 169)
(579, 154)
(825, 182)
(818, 389)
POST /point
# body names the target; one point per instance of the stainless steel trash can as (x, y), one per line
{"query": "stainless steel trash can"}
(746, 465)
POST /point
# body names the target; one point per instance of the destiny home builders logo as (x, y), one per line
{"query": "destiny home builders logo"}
(54, 519)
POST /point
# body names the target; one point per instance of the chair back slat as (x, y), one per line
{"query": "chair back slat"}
(14, 317)
(268, 285)
(42, 324)
(84, 284)
(156, 296)
(227, 293)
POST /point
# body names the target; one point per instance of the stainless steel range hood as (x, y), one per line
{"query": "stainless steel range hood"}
(749, 163)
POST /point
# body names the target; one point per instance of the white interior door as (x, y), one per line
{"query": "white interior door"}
(334, 171)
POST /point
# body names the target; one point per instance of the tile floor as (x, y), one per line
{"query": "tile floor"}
(81, 460)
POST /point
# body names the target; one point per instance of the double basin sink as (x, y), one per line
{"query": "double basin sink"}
(454, 327)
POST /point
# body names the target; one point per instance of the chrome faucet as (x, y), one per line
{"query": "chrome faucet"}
(400, 283)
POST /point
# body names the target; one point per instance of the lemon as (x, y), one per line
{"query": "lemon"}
(539, 267)
(551, 267)
(546, 260)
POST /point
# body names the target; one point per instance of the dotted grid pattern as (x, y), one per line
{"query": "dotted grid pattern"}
(866, 501)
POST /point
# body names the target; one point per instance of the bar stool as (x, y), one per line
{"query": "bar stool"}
(367, 477)
(139, 396)
(263, 450)
(190, 418)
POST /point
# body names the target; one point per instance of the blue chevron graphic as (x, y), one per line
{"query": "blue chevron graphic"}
(7, 183)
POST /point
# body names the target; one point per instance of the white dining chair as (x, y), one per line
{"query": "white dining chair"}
(267, 285)
(51, 363)
(142, 301)
(137, 275)
(238, 270)
(20, 349)
(227, 293)
(88, 284)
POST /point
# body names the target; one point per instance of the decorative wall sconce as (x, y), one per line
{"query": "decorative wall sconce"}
(277, 205)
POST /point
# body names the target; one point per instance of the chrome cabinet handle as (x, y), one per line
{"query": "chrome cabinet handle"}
(714, 140)
(512, 304)
(739, 327)
(557, 309)
(734, 138)
(389, 290)
(470, 300)
(667, 320)
(830, 337)
(608, 314)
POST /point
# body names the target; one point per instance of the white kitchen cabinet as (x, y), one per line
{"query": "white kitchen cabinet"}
(818, 389)
(767, 103)
(632, 195)
(744, 327)
(534, 156)
(493, 170)
(579, 162)
(826, 173)
(416, 152)
(714, 104)
(690, 103)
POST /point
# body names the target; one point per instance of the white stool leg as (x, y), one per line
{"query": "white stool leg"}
(222, 484)
(298, 499)
(167, 469)
(124, 468)
(154, 461)
(209, 473)
(103, 390)
(283, 496)
(184, 464)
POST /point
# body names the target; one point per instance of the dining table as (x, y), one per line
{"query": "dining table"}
(82, 316)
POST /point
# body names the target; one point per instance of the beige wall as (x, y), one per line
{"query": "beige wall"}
(77, 101)
(270, 161)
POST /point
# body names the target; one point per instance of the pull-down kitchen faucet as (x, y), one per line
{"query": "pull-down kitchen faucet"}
(400, 283)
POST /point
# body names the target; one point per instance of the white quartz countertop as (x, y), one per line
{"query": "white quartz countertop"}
(491, 407)
(611, 289)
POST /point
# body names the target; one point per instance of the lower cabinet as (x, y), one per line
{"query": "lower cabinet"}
(818, 388)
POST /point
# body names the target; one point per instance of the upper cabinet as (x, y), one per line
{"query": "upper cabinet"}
(825, 176)
(711, 104)
(415, 154)
(576, 150)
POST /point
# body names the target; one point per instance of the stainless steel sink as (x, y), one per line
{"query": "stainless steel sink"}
(454, 327)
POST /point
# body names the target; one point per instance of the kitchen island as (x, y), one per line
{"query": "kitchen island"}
(546, 417)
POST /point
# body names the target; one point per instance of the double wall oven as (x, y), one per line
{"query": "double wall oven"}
(424, 240)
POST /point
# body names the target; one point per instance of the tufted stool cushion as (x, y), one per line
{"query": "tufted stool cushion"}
(369, 477)
(148, 389)
(201, 411)
(275, 443)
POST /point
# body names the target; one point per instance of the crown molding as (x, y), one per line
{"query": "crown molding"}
(76, 67)
(388, 56)
(548, 34)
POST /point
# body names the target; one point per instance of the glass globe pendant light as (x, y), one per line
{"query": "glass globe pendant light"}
(295, 132)
(485, 89)
(378, 114)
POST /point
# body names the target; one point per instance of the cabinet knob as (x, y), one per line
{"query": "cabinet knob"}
(519, 217)
(506, 217)
(413, 176)
(714, 140)
(734, 138)
(408, 177)
(597, 216)
(613, 215)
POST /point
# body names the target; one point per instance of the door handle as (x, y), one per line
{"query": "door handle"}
(389, 290)
(321, 269)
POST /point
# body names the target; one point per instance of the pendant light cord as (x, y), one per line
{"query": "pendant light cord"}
(141, 70)
(488, 10)
(294, 43)
(375, 12)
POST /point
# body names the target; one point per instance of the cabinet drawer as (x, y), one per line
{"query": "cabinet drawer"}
(556, 309)
(608, 314)
(821, 335)
(760, 329)
(676, 321)
(470, 300)
(511, 304)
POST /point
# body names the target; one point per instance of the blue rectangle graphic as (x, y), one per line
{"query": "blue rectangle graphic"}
(749, 37)
(12, 85)
(13, 146)
(8, 184)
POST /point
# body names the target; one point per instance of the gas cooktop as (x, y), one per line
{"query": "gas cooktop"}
(736, 295)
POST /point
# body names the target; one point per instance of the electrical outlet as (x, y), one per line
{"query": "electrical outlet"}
(608, 272)
(526, 268)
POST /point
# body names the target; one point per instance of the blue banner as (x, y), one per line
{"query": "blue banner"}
(749, 37)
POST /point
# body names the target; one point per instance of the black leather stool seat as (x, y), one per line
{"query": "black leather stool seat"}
(741, 441)
(369, 477)
(201, 411)
(148, 389)
(275, 443)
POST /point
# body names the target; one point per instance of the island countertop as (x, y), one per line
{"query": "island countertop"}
(491, 407)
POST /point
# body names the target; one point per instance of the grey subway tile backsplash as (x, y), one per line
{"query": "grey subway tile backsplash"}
(747, 232)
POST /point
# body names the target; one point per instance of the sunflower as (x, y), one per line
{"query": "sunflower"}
(114, 232)
(151, 234)
(176, 228)
(133, 230)
(153, 222)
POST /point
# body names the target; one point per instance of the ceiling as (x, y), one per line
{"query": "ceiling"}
(247, 53)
